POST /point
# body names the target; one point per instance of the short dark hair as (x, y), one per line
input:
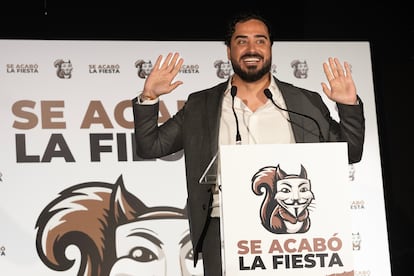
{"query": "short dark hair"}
(243, 17)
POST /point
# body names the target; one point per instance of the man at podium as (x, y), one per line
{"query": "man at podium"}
(251, 107)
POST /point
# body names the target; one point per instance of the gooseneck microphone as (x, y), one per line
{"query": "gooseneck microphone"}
(270, 97)
(233, 92)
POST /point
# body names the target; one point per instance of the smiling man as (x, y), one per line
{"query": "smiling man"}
(251, 107)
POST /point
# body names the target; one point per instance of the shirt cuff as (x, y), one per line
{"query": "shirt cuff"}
(145, 101)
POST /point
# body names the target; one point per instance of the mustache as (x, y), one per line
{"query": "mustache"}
(252, 55)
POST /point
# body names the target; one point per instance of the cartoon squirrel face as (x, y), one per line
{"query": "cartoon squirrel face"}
(288, 196)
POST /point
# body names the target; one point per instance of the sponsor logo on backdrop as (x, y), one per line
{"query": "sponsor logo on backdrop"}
(190, 69)
(300, 68)
(363, 273)
(273, 69)
(22, 68)
(104, 69)
(356, 241)
(351, 172)
(64, 68)
(223, 68)
(144, 68)
(358, 204)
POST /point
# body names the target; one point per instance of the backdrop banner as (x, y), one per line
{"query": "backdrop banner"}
(68, 167)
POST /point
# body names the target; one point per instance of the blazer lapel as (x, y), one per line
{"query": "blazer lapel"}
(214, 102)
(293, 102)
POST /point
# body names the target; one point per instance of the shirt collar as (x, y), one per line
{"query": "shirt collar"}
(227, 91)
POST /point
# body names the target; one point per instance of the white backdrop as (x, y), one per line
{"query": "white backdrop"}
(60, 131)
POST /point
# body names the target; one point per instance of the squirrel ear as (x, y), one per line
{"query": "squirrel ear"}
(303, 173)
(125, 205)
(280, 173)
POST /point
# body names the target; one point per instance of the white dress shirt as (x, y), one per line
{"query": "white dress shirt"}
(266, 125)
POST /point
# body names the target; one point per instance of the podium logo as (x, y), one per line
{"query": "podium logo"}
(284, 209)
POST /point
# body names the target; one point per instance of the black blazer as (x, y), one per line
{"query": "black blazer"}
(195, 129)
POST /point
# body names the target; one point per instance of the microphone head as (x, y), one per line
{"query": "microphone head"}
(268, 93)
(233, 91)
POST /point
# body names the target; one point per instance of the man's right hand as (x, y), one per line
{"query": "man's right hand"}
(160, 80)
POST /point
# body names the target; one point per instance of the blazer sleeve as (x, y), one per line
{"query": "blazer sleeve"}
(153, 140)
(352, 129)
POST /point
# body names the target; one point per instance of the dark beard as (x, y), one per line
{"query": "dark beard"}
(251, 75)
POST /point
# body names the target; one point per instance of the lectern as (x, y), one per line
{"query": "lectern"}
(285, 209)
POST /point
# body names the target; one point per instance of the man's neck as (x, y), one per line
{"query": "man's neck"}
(251, 93)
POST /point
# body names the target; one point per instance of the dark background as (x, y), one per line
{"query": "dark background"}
(387, 26)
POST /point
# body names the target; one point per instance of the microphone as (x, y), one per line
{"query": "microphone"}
(270, 97)
(233, 92)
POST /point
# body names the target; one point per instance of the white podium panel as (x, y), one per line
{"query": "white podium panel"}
(285, 210)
